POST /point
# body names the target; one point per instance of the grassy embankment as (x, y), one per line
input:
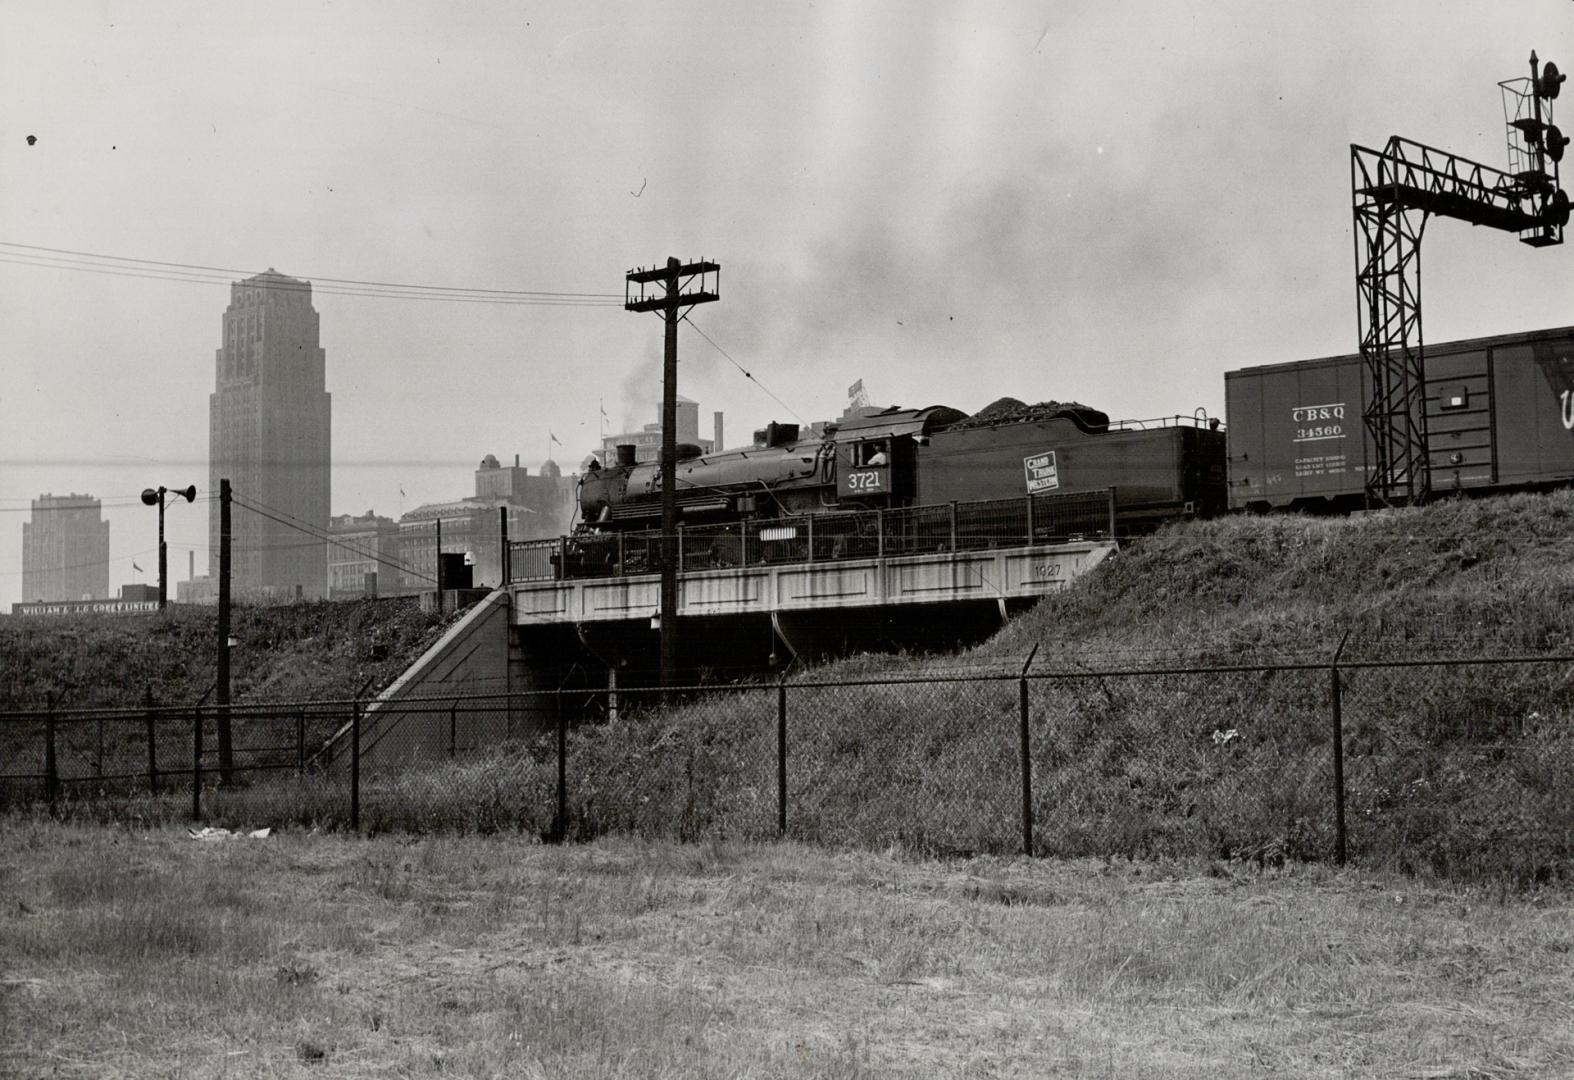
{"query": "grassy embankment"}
(142, 955)
(1458, 771)
(1461, 771)
(293, 652)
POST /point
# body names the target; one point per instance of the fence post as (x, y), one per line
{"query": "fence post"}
(781, 757)
(560, 824)
(1336, 690)
(953, 526)
(196, 764)
(1112, 513)
(1030, 522)
(453, 727)
(355, 764)
(810, 519)
(51, 773)
(98, 754)
(879, 532)
(300, 743)
(1027, 755)
(147, 705)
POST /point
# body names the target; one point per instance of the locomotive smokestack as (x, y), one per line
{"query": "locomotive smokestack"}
(716, 417)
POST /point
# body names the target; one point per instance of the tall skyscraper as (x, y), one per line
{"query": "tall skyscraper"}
(268, 432)
(65, 550)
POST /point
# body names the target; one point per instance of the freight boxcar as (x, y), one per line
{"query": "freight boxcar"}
(1499, 416)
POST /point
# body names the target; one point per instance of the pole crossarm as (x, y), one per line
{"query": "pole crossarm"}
(709, 291)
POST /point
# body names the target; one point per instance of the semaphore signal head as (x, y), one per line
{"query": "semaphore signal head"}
(1549, 81)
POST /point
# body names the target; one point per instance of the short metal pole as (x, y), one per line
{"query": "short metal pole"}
(622, 566)
(810, 519)
(781, 757)
(505, 553)
(1337, 691)
(953, 526)
(1032, 530)
(682, 565)
(439, 523)
(453, 728)
(879, 532)
(355, 765)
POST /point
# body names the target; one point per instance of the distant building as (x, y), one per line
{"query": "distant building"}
(647, 440)
(268, 433)
(363, 556)
(537, 506)
(65, 550)
(197, 590)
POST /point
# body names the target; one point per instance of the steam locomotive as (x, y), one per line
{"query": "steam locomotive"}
(892, 458)
(1497, 415)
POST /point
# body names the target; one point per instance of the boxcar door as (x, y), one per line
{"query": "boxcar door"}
(1461, 452)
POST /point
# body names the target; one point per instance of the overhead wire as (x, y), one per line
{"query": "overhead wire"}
(42, 257)
(290, 521)
(746, 373)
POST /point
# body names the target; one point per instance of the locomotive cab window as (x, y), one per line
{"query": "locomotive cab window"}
(872, 453)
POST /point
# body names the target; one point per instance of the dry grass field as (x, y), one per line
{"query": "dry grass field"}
(138, 954)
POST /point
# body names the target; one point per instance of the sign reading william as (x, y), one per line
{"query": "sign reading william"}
(1041, 472)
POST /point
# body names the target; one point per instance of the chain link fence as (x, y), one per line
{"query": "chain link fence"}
(1460, 768)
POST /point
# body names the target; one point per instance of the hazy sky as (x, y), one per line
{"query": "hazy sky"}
(1113, 202)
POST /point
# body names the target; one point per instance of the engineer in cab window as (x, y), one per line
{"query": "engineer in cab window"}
(875, 454)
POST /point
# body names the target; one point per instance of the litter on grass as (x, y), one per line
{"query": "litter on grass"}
(210, 833)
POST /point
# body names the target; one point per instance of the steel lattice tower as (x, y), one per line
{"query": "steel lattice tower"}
(1394, 192)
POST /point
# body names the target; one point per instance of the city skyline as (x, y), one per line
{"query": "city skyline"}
(1108, 203)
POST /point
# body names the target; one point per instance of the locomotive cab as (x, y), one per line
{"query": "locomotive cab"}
(876, 452)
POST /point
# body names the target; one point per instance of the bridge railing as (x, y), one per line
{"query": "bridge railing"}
(827, 537)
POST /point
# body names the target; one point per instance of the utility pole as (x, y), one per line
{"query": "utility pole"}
(671, 302)
(226, 750)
